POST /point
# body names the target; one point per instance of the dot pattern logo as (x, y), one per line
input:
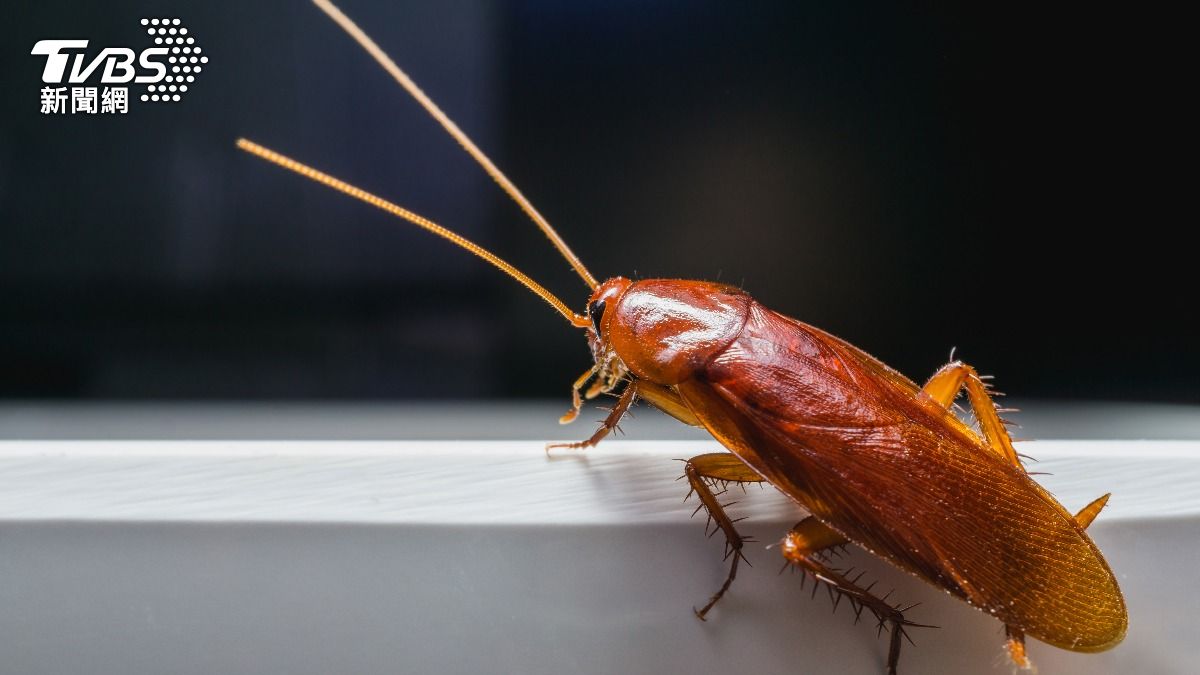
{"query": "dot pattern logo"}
(186, 59)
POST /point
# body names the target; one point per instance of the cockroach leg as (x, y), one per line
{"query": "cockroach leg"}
(614, 416)
(943, 388)
(719, 466)
(800, 547)
(666, 400)
(596, 389)
(1016, 647)
(810, 536)
(576, 399)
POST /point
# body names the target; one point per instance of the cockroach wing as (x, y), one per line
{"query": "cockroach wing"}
(861, 448)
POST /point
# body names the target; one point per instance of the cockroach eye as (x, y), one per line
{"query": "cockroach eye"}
(596, 311)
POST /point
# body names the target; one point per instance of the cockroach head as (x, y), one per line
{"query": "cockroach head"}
(609, 371)
(605, 294)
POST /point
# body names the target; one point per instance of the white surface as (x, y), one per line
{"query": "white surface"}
(508, 483)
(395, 557)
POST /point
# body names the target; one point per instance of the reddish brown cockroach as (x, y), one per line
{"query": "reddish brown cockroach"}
(875, 459)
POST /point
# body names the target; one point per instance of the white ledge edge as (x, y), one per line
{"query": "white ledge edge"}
(474, 482)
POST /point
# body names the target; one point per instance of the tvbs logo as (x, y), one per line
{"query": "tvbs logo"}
(167, 70)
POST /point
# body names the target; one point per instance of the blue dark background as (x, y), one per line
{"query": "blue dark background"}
(1008, 181)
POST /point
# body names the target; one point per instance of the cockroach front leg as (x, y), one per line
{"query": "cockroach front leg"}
(800, 547)
(576, 398)
(700, 471)
(628, 396)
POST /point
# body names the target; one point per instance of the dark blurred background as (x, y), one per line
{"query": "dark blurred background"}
(911, 179)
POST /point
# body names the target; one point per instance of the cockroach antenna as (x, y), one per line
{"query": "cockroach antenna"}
(507, 185)
(420, 221)
(467, 144)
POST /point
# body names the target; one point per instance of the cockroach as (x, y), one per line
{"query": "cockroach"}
(873, 458)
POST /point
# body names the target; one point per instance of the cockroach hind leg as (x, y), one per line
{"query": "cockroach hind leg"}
(944, 386)
(1014, 645)
(702, 472)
